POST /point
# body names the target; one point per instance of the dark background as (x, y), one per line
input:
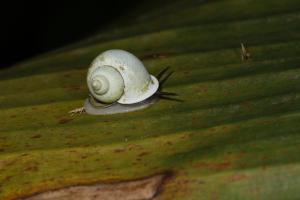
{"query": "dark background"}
(29, 28)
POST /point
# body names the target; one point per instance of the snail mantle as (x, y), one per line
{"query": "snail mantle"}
(119, 82)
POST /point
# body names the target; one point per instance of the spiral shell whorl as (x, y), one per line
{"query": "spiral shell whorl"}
(100, 84)
(105, 84)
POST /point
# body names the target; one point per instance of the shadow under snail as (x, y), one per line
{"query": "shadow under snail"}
(119, 82)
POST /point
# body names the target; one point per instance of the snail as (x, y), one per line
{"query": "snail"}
(119, 82)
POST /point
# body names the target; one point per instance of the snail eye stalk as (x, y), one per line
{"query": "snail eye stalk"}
(161, 73)
(162, 77)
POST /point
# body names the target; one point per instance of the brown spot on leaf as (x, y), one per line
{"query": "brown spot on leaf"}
(155, 56)
(35, 136)
(243, 165)
(238, 177)
(143, 154)
(7, 162)
(222, 166)
(254, 190)
(214, 166)
(64, 120)
(146, 188)
(185, 136)
(134, 147)
(83, 156)
(264, 158)
(41, 124)
(119, 150)
(73, 151)
(7, 178)
(32, 168)
(264, 167)
(135, 163)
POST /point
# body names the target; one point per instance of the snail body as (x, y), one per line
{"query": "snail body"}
(117, 76)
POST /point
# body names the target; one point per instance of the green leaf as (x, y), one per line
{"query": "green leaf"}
(235, 136)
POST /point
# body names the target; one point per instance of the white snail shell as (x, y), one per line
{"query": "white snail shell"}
(118, 76)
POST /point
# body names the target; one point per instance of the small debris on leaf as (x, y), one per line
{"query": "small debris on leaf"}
(244, 52)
